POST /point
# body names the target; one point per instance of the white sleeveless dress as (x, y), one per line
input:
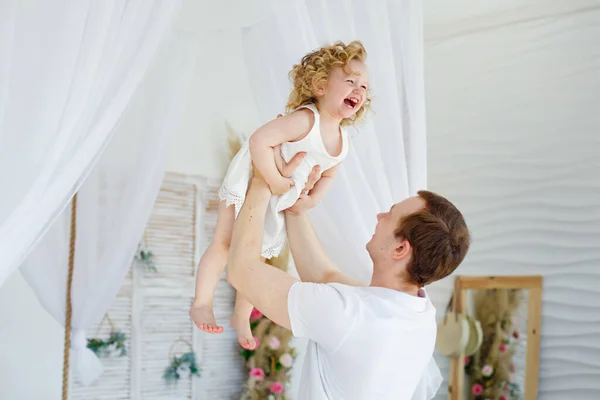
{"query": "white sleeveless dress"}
(234, 187)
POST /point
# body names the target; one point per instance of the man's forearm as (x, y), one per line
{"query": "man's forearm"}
(265, 287)
(246, 241)
(311, 261)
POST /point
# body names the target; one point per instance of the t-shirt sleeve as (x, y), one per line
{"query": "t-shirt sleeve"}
(322, 313)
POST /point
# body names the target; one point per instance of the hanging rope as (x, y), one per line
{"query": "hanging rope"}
(65, 383)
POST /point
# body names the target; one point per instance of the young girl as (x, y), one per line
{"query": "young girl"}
(329, 92)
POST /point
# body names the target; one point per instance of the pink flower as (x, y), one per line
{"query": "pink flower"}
(502, 347)
(276, 388)
(255, 314)
(286, 360)
(502, 398)
(257, 374)
(477, 389)
(467, 360)
(516, 334)
(274, 343)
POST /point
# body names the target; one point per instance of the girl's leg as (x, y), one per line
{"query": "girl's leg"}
(210, 269)
(240, 321)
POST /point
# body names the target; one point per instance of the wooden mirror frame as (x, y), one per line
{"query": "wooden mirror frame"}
(532, 283)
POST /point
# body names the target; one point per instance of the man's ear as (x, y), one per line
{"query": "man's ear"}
(402, 250)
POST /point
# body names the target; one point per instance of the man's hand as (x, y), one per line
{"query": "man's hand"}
(305, 202)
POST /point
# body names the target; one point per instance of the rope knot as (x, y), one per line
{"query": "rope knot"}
(78, 340)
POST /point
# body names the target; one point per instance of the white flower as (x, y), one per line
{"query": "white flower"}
(274, 343)
(286, 360)
(270, 397)
(182, 370)
(110, 350)
(487, 370)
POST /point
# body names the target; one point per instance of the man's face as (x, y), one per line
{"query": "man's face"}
(383, 243)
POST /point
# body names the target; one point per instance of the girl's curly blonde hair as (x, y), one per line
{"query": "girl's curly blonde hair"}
(315, 68)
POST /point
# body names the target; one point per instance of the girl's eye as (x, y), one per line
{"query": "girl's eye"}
(364, 87)
(349, 80)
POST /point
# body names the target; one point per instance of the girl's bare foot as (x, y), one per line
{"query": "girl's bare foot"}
(244, 333)
(204, 318)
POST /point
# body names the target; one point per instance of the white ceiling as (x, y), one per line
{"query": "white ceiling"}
(441, 17)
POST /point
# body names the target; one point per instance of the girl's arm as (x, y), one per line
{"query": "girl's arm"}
(288, 128)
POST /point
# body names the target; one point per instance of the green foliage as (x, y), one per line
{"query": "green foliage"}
(114, 345)
(180, 365)
(147, 258)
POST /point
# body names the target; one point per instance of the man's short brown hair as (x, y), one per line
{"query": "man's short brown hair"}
(439, 238)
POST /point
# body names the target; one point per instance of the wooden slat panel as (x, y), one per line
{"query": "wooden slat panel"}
(161, 305)
(221, 369)
(166, 294)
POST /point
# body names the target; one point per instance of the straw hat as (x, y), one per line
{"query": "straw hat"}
(475, 336)
(452, 334)
(458, 333)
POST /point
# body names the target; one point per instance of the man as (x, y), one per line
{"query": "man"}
(365, 342)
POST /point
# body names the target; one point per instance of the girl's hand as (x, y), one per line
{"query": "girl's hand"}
(281, 186)
(286, 170)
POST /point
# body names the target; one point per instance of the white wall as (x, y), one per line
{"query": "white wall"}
(30, 345)
(512, 106)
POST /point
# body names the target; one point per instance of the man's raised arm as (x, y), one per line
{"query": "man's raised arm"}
(265, 287)
(312, 263)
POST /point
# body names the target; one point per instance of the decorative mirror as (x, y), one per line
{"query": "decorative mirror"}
(491, 332)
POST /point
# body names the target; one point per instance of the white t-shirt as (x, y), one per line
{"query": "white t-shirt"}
(364, 342)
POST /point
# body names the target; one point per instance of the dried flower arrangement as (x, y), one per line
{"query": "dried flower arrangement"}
(490, 370)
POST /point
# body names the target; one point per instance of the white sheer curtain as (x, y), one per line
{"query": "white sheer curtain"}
(387, 162)
(114, 204)
(68, 70)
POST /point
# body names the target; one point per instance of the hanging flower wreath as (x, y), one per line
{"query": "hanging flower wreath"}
(145, 256)
(180, 364)
(115, 345)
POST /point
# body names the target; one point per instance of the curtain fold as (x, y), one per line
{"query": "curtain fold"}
(68, 71)
(90, 94)
(114, 204)
(387, 161)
